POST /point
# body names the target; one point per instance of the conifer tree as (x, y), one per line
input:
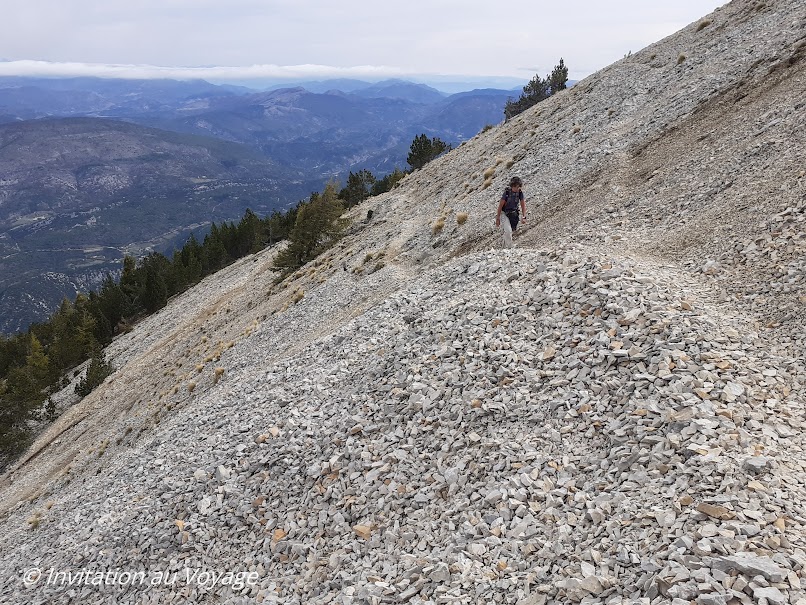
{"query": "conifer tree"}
(249, 234)
(537, 90)
(155, 293)
(112, 301)
(97, 371)
(388, 182)
(317, 227)
(359, 187)
(214, 255)
(423, 150)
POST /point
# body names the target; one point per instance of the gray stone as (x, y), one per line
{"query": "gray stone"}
(771, 594)
(756, 464)
(751, 565)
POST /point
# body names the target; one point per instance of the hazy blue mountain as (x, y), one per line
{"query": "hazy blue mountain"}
(487, 92)
(30, 98)
(332, 133)
(342, 84)
(77, 193)
(401, 89)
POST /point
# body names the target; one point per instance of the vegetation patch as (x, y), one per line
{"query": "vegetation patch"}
(438, 225)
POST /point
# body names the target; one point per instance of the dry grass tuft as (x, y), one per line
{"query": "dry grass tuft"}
(703, 24)
(461, 218)
(438, 225)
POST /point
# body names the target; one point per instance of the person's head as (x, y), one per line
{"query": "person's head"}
(515, 182)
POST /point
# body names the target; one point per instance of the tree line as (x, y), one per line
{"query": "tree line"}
(538, 89)
(33, 363)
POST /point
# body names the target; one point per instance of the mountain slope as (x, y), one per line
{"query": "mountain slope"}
(613, 412)
(78, 193)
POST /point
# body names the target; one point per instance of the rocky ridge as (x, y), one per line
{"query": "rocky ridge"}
(611, 414)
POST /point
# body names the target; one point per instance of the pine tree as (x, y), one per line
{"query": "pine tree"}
(130, 286)
(112, 301)
(388, 182)
(558, 79)
(538, 89)
(359, 187)
(317, 227)
(214, 252)
(97, 371)
(249, 234)
(22, 395)
(155, 293)
(423, 150)
(191, 259)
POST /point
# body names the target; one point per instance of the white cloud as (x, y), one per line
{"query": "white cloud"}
(100, 70)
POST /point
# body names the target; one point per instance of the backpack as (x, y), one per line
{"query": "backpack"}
(512, 201)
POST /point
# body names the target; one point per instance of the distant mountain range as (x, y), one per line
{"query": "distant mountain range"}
(78, 193)
(90, 168)
(325, 132)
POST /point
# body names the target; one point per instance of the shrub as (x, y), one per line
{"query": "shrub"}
(489, 173)
(461, 218)
(438, 225)
(703, 24)
(681, 58)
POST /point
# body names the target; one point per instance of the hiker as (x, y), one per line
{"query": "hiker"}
(509, 206)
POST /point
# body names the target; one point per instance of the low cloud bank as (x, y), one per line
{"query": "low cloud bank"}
(139, 72)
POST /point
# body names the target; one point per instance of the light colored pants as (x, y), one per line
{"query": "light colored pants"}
(506, 231)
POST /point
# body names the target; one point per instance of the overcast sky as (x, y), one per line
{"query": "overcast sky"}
(238, 39)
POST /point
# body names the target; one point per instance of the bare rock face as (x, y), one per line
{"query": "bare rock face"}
(589, 418)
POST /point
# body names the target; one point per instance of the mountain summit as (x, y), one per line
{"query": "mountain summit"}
(611, 413)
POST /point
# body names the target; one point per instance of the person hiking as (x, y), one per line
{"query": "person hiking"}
(512, 197)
